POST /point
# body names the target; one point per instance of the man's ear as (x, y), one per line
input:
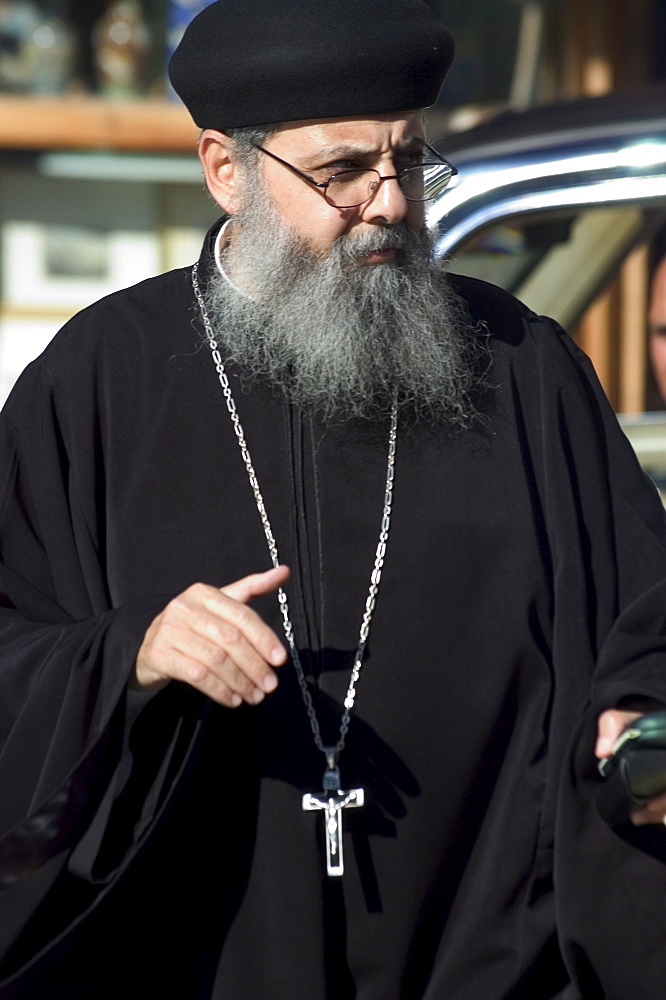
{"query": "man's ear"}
(221, 169)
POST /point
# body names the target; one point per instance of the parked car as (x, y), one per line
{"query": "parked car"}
(549, 203)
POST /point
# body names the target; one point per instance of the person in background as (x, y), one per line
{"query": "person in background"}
(657, 327)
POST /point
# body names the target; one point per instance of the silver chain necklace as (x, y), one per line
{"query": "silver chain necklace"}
(333, 799)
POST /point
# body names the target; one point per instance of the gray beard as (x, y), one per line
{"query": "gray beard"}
(341, 338)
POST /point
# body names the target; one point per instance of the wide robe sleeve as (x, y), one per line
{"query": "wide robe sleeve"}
(66, 654)
(604, 536)
(610, 882)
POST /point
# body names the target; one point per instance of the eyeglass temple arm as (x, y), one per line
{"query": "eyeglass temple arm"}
(295, 170)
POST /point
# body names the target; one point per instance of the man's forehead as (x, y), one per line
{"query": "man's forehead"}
(354, 134)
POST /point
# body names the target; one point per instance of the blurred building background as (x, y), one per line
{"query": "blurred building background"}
(100, 187)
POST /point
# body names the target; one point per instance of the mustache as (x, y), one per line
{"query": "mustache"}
(356, 244)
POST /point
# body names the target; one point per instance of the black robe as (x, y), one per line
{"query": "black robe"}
(524, 591)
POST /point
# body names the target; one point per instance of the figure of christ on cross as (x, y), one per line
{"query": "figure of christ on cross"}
(334, 801)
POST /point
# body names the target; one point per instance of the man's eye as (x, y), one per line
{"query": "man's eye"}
(347, 178)
(327, 171)
(334, 168)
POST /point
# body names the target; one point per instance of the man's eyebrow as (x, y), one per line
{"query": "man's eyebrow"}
(349, 151)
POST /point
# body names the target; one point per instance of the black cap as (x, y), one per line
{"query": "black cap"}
(258, 62)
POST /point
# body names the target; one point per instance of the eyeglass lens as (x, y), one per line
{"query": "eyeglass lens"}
(351, 188)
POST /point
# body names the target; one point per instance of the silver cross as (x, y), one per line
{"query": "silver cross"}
(333, 800)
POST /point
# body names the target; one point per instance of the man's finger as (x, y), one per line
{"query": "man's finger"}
(254, 629)
(257, 584)
(609, 728)
(652, 812)
(236, 662)
(232, 627)
(183, 668)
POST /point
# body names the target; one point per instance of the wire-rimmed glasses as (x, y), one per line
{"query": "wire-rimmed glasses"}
(352, 188)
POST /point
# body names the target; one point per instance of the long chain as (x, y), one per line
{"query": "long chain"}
(331, 753)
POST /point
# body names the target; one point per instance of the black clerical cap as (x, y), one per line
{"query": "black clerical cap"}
(257, 62)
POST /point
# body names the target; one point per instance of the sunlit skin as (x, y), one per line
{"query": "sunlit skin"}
(210, 637)
(657, 322)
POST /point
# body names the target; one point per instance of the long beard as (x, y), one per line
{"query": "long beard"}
(341, 338)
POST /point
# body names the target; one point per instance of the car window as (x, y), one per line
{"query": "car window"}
(557, 262)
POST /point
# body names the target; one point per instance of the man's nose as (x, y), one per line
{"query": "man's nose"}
(388, 203)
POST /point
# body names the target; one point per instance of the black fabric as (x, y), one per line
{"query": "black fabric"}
(266, 61)
(524, 591)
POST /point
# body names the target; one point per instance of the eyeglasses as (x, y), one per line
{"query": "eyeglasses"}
(352, 188)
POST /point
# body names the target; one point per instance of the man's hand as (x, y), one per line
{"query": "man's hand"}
(213, 640)
(610, 725)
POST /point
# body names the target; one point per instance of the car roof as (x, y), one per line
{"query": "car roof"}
(565, 123)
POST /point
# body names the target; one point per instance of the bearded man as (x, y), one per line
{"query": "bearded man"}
(378, 782)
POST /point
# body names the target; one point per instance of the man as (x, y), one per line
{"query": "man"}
(476, 576)
(657, 327)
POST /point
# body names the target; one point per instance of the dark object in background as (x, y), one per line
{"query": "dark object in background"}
(121, 43)
(36, 48)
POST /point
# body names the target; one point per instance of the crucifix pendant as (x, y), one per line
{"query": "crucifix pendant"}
(332, 800)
